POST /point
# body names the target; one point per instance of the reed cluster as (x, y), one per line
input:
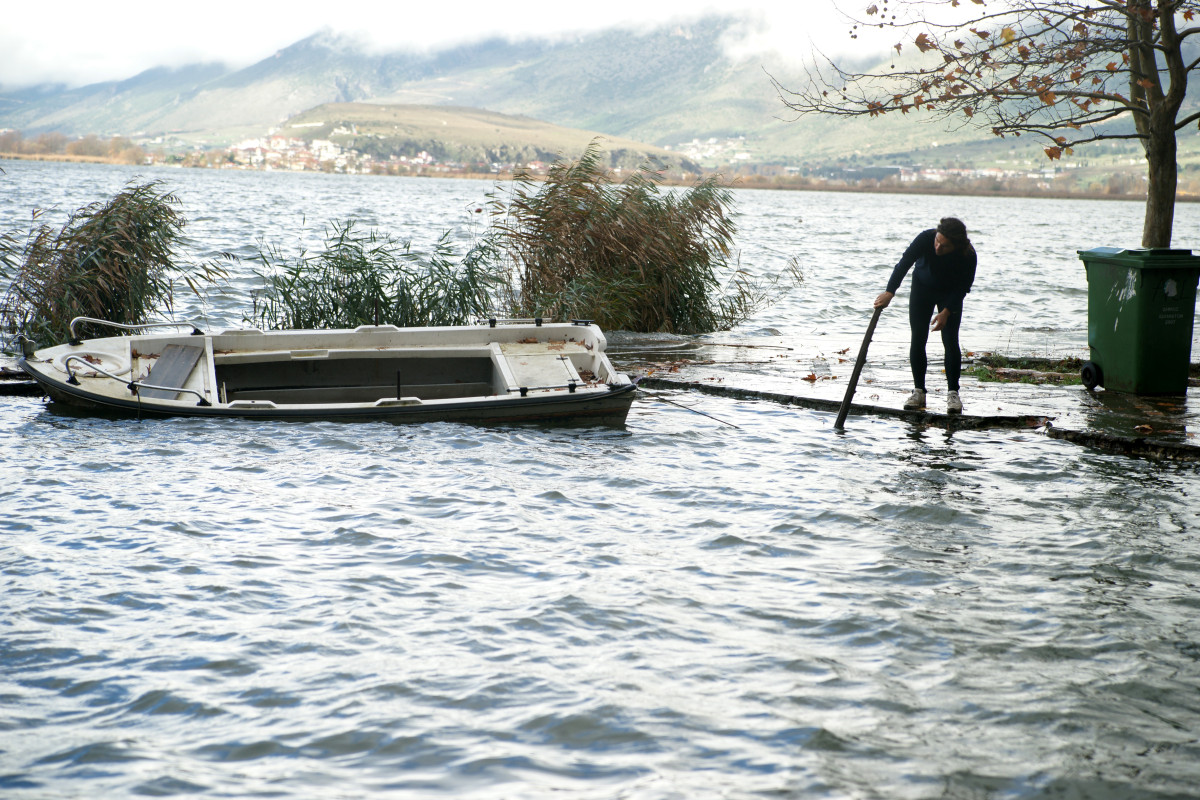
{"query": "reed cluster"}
(369, 278)
(628, 255)
(112, 261)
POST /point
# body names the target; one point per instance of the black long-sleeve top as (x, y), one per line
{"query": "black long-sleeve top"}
(949, 277)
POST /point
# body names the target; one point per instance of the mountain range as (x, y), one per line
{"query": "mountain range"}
(666, 86)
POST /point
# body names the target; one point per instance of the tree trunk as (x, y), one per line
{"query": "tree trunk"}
(1156, 123)
(1162, 172)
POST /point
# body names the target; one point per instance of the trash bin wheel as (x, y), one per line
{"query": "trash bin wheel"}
(1091, 375)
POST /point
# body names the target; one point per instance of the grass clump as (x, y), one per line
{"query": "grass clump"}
(626, 255)
(111, 261)
(368, 278)
(993, 367)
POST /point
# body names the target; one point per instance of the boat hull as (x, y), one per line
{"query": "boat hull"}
(611, 407)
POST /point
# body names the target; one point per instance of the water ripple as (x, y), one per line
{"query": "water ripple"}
(673, 608)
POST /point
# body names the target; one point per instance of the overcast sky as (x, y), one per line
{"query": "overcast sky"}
(84, 42)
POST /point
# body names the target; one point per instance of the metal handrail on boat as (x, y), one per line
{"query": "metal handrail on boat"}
(76, 340)
(570, 386)
(538, 321)
(525, 390)
(133, 386)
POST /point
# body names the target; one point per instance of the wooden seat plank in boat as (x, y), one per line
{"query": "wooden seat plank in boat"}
(542, 370)
(172, 369)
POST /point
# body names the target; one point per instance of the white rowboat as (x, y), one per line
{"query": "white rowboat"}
(479, 373)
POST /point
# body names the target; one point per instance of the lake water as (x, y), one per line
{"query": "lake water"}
(673, 608)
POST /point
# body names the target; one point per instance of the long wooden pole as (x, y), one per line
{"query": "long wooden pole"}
(858, 365)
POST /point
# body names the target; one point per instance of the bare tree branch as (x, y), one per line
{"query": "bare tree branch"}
(1061, 69)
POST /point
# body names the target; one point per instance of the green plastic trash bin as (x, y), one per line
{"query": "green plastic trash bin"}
(1141, 309)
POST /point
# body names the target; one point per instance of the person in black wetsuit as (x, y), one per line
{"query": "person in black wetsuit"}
(945, 269)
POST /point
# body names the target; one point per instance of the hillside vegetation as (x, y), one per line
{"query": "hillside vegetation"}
(464, 135)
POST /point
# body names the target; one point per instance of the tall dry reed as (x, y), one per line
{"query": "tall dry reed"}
(113, 261)
(628, 255)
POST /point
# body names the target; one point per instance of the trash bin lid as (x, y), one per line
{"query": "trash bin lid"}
(1142, 257)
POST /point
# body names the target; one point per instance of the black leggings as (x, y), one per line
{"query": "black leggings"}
(921, 302)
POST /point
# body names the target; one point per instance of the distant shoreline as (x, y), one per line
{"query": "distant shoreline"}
(957, 191)
(768, 184)
(64, 157)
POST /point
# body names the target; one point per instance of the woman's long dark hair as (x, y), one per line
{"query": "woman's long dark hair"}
(954, 230)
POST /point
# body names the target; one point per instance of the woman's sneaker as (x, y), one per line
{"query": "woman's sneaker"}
(953, 403)
(915, 401)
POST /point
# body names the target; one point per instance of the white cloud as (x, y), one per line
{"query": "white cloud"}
(84, 42)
